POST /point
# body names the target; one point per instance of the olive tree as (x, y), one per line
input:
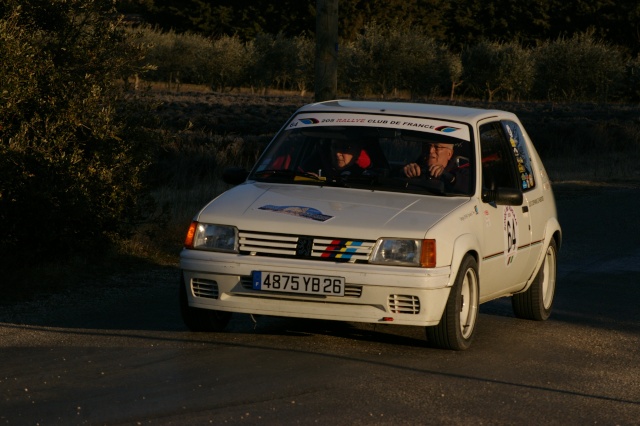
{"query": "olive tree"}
(71, 162)
(303, 74)
(273, 61)
(228, 63)
(178, 58)
(492, 68)
(354, 71)
(377, 59)
(427, 68)
(632, 80)
(580, 68)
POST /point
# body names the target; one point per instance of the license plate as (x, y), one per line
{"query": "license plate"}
(298, 283)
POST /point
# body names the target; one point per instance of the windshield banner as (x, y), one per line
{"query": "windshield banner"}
(454, 130)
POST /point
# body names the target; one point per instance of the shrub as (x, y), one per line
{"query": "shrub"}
(354, 71)
(304, 72)
(380, 57)
(453, 65)
(274, 62)
(427, 69)
(632, 79)
(578, 69)
(178, 58)
(386, 61)
(492, 68)
(228, 63)
(70, 166)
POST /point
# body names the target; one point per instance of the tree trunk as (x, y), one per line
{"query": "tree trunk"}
(326, 62)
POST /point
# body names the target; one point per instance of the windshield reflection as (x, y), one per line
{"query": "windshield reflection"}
(367, 157)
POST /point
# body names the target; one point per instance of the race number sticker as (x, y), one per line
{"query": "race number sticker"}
(510, 235)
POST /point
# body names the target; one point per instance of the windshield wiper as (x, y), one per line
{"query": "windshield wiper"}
(370, 178)
(287, 174)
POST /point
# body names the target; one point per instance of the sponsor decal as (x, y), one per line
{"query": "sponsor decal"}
(470, 214)
(299, 211)
(520, 152)
(487, 218)
(446, 129)
(389, 121)
(536, 201)
(341, 249)
(510, 230)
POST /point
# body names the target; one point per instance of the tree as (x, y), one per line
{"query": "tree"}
(492, 68)
(242, 18)
(71, 164)
(228, 63)
(268, 64)
(502, 20)
(456, 23)
(426, 68)
(580, 68)
(303, 74)
(326, 62)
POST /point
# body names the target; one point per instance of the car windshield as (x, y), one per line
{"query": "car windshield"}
(370, 152)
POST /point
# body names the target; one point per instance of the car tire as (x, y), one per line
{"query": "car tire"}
(202, 320)
(457, 325)
(537, 301)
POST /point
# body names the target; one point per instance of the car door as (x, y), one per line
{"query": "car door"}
(532, 190)
(506, 228)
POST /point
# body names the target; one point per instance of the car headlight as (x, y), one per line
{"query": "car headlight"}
(404, 252)
(207, 236)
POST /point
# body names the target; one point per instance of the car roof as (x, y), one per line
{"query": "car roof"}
(447, 112)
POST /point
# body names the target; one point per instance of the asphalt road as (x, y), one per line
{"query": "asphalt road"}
(119, 354)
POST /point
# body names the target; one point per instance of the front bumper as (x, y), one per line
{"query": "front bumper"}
(373, 293)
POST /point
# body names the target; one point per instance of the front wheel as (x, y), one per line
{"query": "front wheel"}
(537, 301)
(457, 325)
(197, 319)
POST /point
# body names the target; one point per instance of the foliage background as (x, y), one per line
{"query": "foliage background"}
(72, 159)
(114, 132)
(457, 23)
(386, 61)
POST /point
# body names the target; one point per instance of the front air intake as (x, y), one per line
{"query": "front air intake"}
(204, 288)
(404, 304)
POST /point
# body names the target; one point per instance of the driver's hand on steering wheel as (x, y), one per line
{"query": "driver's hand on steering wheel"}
(412, 170)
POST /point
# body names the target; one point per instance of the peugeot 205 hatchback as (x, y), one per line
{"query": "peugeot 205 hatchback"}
(379, 212)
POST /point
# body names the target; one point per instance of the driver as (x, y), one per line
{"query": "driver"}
(436, 161)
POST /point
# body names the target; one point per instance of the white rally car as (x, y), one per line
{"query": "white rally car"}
(330, 225)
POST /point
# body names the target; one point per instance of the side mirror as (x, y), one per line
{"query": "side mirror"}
(234, 175)
(503, 196)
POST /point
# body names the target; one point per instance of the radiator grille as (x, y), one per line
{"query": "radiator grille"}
(306, 247)
(404, 304)
(204, 288)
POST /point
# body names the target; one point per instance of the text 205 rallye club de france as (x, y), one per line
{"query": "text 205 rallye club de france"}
(379, 212)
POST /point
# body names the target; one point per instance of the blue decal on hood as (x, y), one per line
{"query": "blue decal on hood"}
(300, 211)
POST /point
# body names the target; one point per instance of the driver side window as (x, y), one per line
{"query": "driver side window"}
(498, 164)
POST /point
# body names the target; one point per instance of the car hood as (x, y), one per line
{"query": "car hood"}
(313, 210)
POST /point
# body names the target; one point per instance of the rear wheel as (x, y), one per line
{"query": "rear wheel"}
(197, 319)
(457, 325)
(537, 301)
